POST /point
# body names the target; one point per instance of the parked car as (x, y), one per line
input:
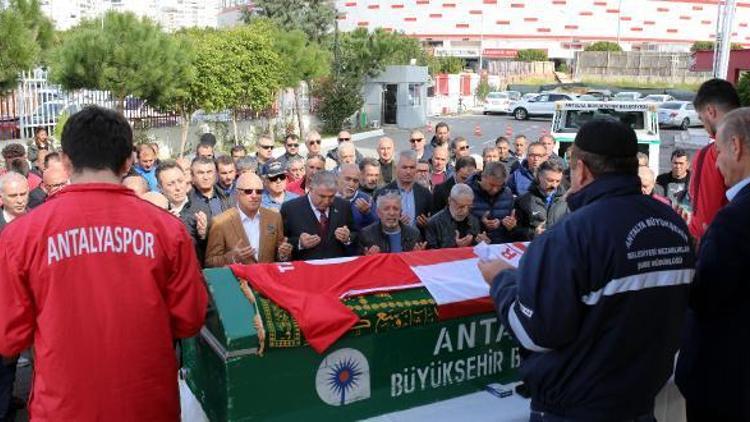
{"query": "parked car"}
(514, 95)
(48, 113)
(588, 97)
(680, 114)
(658, 98)
(201, 116)
(541, 105)
(600, 94)
(526, 96)
(627, 96)
(497, 102)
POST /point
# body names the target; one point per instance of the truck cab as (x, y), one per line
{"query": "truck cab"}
(641, 116)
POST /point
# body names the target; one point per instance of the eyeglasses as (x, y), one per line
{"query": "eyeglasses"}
(266, 146)
(251, 191)
(415, 140)
(344, 139)
(314, 141)
(463, 148)
(277, 178)
(292, 145)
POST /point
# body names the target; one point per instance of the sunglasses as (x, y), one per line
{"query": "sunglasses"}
(292, 145)
(415, 140)
(251, 191)
(314, 141)
(344, 139)
(277, 178)
(463, 148)
(266, 146)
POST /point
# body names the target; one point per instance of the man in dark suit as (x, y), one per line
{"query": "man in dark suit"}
(416, 200)
(712, 370)
(465, 168)
(319, 225)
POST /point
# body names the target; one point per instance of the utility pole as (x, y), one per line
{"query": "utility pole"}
(619, 20)
(723, 45)
(481, 43)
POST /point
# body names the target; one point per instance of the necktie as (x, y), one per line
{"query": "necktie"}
(322, 224)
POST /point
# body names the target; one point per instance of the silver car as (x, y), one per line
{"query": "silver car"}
(680, 114)
(541, 105)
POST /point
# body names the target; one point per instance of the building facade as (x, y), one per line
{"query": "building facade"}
(496, 29)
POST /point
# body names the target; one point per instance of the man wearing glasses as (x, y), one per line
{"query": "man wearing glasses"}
(460, 148)
(54, 178)
(247, 233)
(312, 141)
(344, 136)
(419, 145)
(291, 144)
(522, 177)
(274, 182)
(264, 154)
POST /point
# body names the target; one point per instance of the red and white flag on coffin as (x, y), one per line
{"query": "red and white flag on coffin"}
(453, 278)
(311, 290)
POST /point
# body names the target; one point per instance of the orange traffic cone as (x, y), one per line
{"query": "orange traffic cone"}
(477, 130)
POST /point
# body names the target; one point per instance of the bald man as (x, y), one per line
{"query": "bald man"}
(54, 178)
(385, 157)
(14, 193)
(137, 184)
(247, 233)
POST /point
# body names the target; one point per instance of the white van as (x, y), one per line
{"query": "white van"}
(642, 117)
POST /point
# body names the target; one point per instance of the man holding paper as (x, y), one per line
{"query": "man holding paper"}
(599, 299)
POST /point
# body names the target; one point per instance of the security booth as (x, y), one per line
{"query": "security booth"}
(252, 361)
(397, 96)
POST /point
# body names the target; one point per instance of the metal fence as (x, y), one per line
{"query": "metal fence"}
(37, 103)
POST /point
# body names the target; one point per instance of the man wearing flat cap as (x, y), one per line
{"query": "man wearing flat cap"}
(598, 300)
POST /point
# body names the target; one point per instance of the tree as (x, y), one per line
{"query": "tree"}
(364, 53)
(235, 69)
(25, 35)
(314, 18)
(448, 64)
(340, 98)
(603, 46)
(743, 89)
(302, 61)
(532, 55)
(483, 89)
(122, 54)
(709, 45)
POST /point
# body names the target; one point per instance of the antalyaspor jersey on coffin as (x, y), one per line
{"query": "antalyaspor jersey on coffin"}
(100, 282)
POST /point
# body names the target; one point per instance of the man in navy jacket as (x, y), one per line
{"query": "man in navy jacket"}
(599, 299)
(713, 372)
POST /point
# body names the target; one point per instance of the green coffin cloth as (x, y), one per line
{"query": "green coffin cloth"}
(377, 313)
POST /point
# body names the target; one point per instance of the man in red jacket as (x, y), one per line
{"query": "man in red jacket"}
(100, 282)
(715, 98)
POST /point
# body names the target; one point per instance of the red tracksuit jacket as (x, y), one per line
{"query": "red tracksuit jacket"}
(100, 282)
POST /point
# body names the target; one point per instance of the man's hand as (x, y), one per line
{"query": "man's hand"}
(490, 223)
(490, 269)
(686, 215)
(482, 237)
(308, 241)
(285, 250)
(510, 221)
(342, 234)
(201, 224)
(372, 250)
(362, 205)
(241, 253)
(422, 220)
(420, 246)
(404, 219)
(463, 241)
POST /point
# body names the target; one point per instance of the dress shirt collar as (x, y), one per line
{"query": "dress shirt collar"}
(734, 190)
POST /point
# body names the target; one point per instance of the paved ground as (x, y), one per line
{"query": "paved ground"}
(491, 127)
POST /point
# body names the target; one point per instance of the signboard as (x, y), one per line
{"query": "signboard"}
(500, 53)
